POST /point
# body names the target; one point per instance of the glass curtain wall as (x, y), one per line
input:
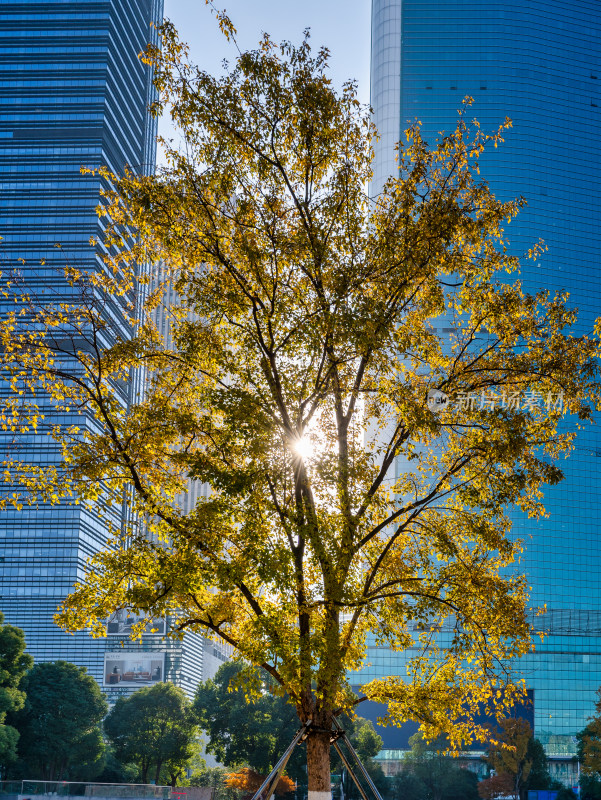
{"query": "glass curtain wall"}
(538, 62)
(73, 93)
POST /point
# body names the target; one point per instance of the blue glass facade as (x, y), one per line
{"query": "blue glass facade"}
(538, 62)
(72, 92)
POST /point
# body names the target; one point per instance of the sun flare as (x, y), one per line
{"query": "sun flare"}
(303, 447)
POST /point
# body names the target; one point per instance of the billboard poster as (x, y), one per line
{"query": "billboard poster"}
(121, 623)
(133, 669)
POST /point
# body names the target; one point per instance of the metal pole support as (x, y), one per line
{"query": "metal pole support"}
(272, 779)
(344, 760)
(364, 772)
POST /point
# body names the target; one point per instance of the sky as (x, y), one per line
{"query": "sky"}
(341, 25)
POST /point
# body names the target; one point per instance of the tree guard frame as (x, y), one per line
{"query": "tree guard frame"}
(337, 734)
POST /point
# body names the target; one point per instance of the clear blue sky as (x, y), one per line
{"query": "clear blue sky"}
(341, 25)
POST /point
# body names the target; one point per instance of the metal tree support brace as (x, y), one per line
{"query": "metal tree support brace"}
(267, 788)
(364, 772)
(271, 781)
(346, 763)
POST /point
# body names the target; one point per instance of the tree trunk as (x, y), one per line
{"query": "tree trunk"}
(318, 766)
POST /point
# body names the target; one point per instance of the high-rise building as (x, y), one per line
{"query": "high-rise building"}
(73, 93)
(538, 62)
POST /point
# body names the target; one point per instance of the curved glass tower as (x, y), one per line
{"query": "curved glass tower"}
(538, 62)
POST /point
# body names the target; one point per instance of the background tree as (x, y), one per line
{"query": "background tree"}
(249, 780)
(512, 754)
(566, 793)
(589, 755)
(590, 787)
(213, 778)
(497, 786)
(432, 773)
(14, 663)
(407, 786)
(245, 730)
(539, 777)
(155, 729)
(367, 743)
(589, 742)
(114, 771)
(59, 726)
(176, 764)
(302, 355)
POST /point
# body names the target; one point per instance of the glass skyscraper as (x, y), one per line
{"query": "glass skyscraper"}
(73, 93)
(538, 62)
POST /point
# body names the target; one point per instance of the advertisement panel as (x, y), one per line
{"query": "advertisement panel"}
(133, 669)
(121, 623)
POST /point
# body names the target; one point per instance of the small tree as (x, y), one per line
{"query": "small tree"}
(213, 778)
(497, 786)
(438, 774)
(14, 663)
(114, 771)
(407, 786)
(249, 780)
(589, 742)
(513, 755)
(539, 777)
(59, 725)
(307, 355)
(247, 730)
(590, 787)
(566, 793)
(155, 729)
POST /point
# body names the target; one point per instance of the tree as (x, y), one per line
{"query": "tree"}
(589, 755)
(116, 772)
(539, 777)
(565, 793)
(497, 786)
(407, 786)
(155, 729)
(59, 725)
(246, 730)
(590, 787)
(589, 742)
(213, 778)
(462, 785)
(436, 774)
(249, 780)
(367, 742)
(14, 663)
(304, 346)
(518, 761)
